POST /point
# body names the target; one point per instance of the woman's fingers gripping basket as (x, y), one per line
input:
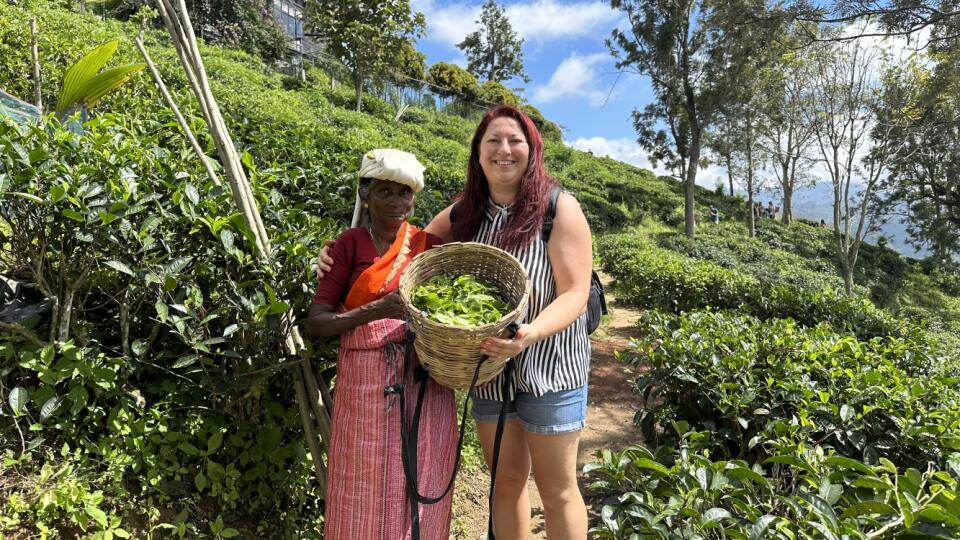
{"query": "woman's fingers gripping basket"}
(461, 285)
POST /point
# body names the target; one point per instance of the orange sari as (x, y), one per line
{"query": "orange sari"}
(383, 276)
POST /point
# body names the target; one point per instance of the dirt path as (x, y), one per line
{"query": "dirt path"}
(610, 408)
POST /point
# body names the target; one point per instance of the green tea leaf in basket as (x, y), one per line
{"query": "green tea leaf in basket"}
(459, 301)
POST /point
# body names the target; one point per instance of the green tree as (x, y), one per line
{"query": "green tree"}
(248, 25)
(410, 67)
(366, 36)
(452, 81)
(694, 52)
(494, 92)
(842, 90)
(549, 131)
(494, 52)
(924, 179)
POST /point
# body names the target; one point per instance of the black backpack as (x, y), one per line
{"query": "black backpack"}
(596, 302)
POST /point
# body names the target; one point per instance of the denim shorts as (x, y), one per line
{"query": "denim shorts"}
(550, 414)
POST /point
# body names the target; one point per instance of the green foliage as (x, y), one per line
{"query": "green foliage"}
(366, 36)
(493, 92)
(85, 85)
(746, 382)
(549, 131)
(459, 301)
(799, 492)
(450, 80)
(248, 25)
(737, 274)
(494, 52)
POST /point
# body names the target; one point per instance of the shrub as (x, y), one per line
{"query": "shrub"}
(799, 492)
(745, 381)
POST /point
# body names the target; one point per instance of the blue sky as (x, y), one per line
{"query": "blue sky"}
(572, 74)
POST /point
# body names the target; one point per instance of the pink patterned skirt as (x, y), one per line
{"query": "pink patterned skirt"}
(366, 489)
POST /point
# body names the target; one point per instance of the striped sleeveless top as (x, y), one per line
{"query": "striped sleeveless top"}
(561, 361)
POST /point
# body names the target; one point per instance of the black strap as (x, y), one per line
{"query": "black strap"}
(497, 440)
(550, 214)
(409, 438)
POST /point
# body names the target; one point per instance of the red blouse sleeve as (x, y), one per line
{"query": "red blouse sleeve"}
(333, 287)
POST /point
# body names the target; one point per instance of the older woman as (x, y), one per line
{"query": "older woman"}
(357, 299)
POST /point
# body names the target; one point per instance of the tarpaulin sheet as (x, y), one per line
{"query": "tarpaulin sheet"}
(20, 111)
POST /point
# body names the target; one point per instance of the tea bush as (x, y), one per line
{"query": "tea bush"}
(800, 491)
(745, 381)
(650, 276)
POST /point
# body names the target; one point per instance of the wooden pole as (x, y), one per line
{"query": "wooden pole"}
(34, 52)
(309, 396)
(176, 112)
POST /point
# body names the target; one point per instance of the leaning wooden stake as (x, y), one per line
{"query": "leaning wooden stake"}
(313, 413)
(176, 112)
(37, 98)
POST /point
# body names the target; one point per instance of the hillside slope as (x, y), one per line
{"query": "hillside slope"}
(160, 399)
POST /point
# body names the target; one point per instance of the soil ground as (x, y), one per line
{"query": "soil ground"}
(611, 406)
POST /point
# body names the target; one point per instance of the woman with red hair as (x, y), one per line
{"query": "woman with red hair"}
(504, 204)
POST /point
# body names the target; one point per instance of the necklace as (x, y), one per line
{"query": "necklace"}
(376, 243)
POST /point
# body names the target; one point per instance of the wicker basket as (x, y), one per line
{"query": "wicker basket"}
(450, 353)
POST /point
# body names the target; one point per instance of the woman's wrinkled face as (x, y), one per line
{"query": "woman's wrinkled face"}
(389, 202)
(504, 153)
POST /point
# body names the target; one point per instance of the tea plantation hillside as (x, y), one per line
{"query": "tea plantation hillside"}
(154, 394)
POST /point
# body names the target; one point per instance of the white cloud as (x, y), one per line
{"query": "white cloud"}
(628, 151)
(577, 76)
(623, 149)
(549, 19)
(535, 21)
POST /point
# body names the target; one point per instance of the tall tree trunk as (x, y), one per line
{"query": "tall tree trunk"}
(689, 210)
(729, 163)
(786, 186)
(787, 209)
(358, 88)
(751, 221)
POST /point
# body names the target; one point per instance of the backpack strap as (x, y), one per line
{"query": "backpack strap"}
(453, 212)
(551, 213)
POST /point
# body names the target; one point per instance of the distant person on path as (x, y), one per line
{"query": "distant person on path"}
(506, 198)
(714, 214)
(357, 299)
(770, 212)
(823, 224)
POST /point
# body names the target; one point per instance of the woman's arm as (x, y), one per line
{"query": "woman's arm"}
(441, 225)
(570, 250)
(322, 321)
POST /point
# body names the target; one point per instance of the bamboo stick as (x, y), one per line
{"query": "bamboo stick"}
(312, 409)
(37, 98)
(176, 112)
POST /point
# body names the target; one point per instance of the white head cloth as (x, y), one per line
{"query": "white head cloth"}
(389, 164)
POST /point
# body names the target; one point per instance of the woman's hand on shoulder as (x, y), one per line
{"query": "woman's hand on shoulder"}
(324, 260)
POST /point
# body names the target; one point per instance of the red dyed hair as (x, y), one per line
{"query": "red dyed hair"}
(530, 204)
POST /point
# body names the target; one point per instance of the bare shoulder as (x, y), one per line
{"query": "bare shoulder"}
(440, 225)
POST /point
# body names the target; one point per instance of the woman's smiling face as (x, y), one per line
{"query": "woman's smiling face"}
(504, 153)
